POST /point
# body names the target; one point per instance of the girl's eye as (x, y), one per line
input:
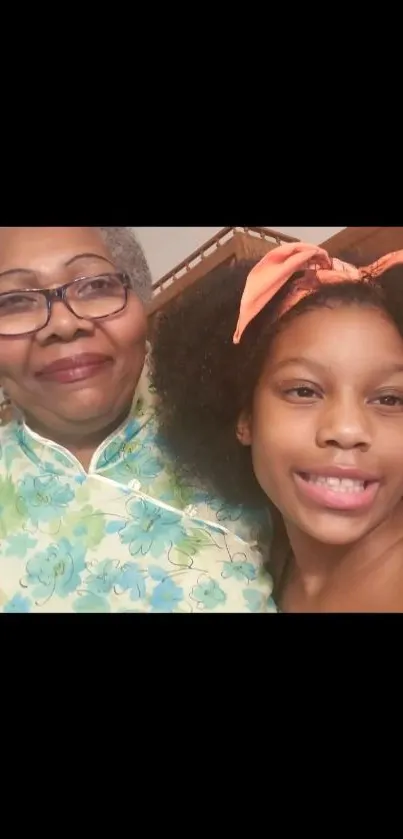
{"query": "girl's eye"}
(301, 392)
(389, 400)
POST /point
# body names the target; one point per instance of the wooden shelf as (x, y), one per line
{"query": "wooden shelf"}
(231, 244)
(367, 243)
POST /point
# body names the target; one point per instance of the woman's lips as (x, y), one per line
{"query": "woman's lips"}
(75, 368)
(338, 491)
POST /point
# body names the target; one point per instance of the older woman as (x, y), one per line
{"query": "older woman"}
(92, 517)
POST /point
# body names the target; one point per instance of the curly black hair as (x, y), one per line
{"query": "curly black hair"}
(204, 381)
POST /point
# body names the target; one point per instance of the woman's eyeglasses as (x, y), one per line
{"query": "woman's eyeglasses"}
(88, 298)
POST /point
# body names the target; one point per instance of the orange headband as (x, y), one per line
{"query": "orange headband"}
(279, 265)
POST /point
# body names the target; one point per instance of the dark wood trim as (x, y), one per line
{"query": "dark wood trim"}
(349, 239)
(365, 243)
(214, 241)
(180, 283)
(240, 245)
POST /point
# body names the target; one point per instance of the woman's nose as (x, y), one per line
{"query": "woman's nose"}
(63, 324)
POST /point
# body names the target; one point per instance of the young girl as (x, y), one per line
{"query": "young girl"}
(300, 410)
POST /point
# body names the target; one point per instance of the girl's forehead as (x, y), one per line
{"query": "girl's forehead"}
(337, 335)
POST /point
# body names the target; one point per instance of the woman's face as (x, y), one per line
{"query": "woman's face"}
(98, 392)
(326, 428)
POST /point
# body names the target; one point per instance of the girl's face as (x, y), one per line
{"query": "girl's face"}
(326, 427)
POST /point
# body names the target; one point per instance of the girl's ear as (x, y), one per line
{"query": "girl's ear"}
(244, 430)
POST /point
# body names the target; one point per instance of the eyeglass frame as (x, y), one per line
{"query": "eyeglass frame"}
(59, 294)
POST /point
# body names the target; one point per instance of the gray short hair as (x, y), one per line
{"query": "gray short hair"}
(129, 257)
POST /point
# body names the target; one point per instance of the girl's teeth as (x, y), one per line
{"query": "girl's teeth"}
(338, 484)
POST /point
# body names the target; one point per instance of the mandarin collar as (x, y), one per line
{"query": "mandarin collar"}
(55, 459)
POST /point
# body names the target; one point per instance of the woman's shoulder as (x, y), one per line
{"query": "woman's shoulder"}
(9, 448)
(248, 524)
(6, 413)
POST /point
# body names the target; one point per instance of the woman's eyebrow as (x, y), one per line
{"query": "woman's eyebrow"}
(69, 262)
(15, 271)
(87, 256)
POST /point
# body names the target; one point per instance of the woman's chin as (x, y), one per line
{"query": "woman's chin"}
(90, 404)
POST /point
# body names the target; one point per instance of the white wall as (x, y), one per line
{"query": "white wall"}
(165, 247)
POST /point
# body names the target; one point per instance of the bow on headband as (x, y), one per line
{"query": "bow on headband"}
(279, 265)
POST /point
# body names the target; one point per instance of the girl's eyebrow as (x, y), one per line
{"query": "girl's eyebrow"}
(385, 370)
(306, 362)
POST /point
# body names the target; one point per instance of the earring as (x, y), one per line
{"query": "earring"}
(243, 432)
(6, 408)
